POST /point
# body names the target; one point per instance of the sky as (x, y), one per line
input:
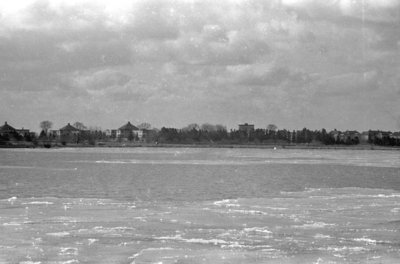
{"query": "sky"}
(306, 63)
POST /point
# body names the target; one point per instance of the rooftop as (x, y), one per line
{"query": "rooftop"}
(6, 127)
(68, 127)
(128, 126)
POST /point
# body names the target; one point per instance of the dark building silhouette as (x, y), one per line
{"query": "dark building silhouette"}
(246, 128)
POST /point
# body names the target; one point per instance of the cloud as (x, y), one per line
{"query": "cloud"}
(349, 84)
(177, 60)
(365, 10)
(266, 75)
(153, 20)
(101, 79)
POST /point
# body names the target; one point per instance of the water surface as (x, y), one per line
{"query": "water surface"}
(165, 205)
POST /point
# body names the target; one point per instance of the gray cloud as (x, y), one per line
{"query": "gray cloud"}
(265, 75)
(187, 60)
(346, 11)
(154, 20)
(349, 84)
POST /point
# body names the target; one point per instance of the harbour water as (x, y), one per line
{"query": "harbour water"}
(167, 205)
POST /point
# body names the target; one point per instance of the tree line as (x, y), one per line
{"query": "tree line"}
(218, 134)
(210, 134)
(257, 136)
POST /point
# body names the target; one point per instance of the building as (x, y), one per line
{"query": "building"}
(69, 130)
(114, 133)
(352, 136)
(377, 135)
(69, 133)
(7, 130)
(23, 132)
(335, 134)
(54, 133)
(129, 132)
(396, 135)
(246, 128)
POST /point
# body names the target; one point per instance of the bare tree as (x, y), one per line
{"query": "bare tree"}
(46, 125)
(145, 126)
(220, 127)
(272, 128)
(80, 125)
(208, 127)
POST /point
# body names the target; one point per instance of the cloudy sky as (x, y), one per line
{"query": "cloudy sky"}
(305, 63)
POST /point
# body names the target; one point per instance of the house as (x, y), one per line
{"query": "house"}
(378, 135)
(68, 133)
(396, 135)
(69, 130)
(7, 130)
(54, 133)
(246, 128)
(352, 136)
(336, 135)
(114, 133)
(385, 134)
(396, 138)
(23, 132)
(129, 132)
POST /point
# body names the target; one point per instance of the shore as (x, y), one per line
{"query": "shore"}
(167, 145)
(261, 146)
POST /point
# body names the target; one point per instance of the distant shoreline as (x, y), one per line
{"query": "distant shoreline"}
(255, 146)
(166, 145)
(360, 147)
